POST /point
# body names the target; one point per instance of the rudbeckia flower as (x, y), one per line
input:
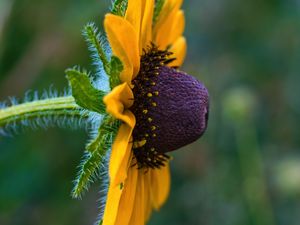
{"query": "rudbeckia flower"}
(161, 108)
(138, 105)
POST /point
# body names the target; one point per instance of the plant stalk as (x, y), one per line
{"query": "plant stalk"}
(60, 106)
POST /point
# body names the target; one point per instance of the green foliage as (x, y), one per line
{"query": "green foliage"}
(109, 124)
(85, 94)
(119, 7)
(97, 47)
(90, 98)
(158, 7)
(116, 67)
(95, 151)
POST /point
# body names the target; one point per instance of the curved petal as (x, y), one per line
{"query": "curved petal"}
(118, 101)
(138, 217)
(123, 40)
(177, 27)
(146, 29)
(160, 185)
(134, 15)
(119, 174)
(179, 52)
(128, 198)
(164, 24)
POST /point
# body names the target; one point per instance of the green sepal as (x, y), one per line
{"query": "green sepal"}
(119, 7)
(158, 7)
(92, 37)
(116, 67)
(85, 94)
(95, 152)
(108, 125)
(88, 172)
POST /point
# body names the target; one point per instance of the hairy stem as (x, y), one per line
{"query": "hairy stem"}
(60, 106)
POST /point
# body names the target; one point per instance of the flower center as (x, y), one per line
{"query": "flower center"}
(171, 109)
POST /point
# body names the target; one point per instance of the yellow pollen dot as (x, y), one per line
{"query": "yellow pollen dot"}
(153, 135)
(146, 135)
(153, 128)
(138, 144)
(149, 95)
(152, 149)
(154, 104)
(153, 83)
(149, 159)
(156, 73)
(150, 119)
(145, 111)
(156, 93)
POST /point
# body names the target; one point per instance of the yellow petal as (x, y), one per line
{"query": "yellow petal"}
(120, 161)
(120, 155)
(116, 188)
(119, 164)
(148, 199)
(177, 27)
(179, 52)
(117, 103)
(164, 24)
(160, 185)
(146, 29)
(138, 217)
(134, 15)
(123, 39)
(128, 198)
(112, 204)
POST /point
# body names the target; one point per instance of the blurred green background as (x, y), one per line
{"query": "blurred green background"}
(246, 168)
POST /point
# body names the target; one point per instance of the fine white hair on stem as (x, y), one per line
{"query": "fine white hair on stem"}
(66, 119)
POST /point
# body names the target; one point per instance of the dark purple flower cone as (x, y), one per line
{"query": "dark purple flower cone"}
(182, 109)
(171, 109)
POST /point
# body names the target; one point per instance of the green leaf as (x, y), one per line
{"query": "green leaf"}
(158, 7)
(108, 125)
(116, 67)
(92, 37)
(84, 92)
(119, 7)
(95, 151)
(89, 171)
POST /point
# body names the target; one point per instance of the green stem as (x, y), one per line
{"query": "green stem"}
(60, 106)
(254, 178)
